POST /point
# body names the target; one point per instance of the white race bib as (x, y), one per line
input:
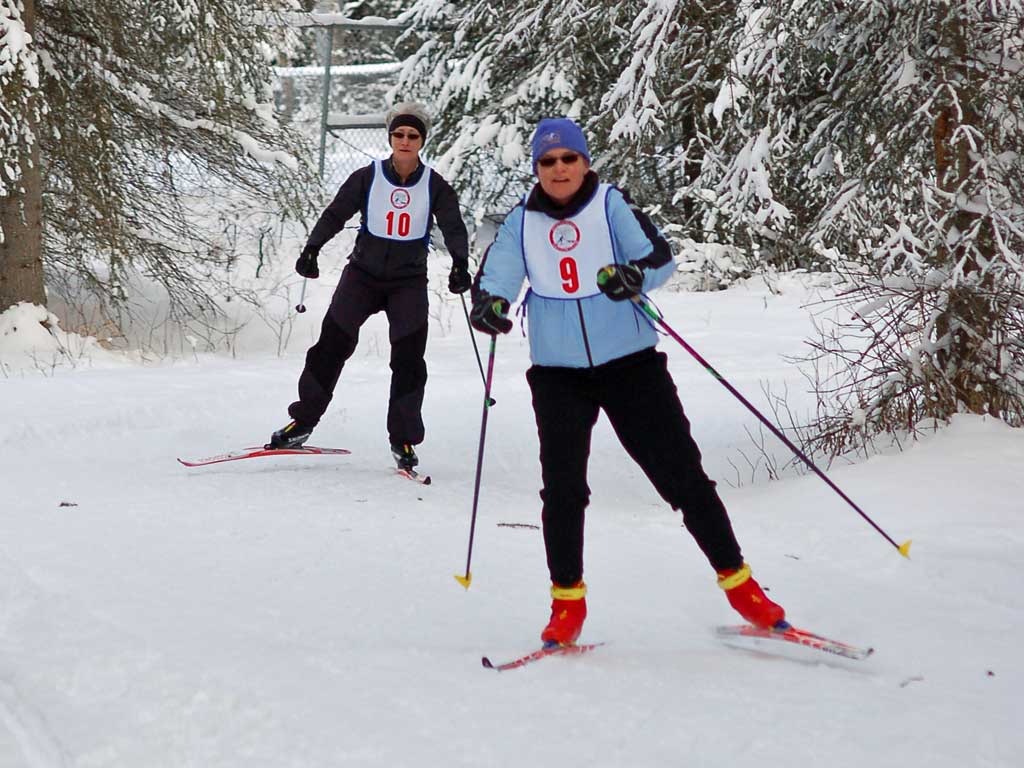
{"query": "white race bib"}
(398, 213)
(564, 255)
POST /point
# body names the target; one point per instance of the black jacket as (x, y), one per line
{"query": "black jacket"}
(391, 259)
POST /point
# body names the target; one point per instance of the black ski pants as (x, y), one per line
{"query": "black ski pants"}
(638, 395)
(357, 297)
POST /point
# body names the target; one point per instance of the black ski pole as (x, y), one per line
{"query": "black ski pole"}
(476, 349)
(301, 306)
(903, 549)
(468, 578)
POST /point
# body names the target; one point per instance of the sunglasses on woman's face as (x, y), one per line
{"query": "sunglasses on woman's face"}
(400, 136)
(548, 162)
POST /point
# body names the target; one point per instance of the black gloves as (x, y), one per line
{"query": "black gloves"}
(490, 314)
(621, 281)
(306, 265)
(459, 280)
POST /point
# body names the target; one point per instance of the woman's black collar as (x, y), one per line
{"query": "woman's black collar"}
(539, 200)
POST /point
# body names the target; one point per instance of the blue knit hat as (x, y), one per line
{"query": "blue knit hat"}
(558, 133)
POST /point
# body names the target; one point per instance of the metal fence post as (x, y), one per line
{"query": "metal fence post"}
(326, 97)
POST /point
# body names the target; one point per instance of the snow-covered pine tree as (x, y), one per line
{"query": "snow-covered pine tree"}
(152, 122)
(351, 46)
(634, 73)
(886, 138)
(368, 46)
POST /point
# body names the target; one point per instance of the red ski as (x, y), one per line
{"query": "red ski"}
(748, 637)
(253, 453)
(412, 474)
(541, 653)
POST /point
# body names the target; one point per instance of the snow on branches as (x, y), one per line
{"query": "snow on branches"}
(876, 139)
(634, 73)
(148, 114)
(893, 132)
(634, 96)
(20, 109)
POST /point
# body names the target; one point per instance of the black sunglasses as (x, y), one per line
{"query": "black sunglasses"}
(409, 136)
(547, 162)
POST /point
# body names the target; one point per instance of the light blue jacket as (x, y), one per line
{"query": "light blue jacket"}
(578, 333)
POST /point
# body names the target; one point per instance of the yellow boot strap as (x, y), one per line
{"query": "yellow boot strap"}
(733, 580)
(575, 592)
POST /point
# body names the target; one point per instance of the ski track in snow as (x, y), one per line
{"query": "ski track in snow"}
(24, 723)
(29, 729)
(300, 612)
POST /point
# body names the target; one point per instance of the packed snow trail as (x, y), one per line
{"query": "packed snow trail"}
(295, 611)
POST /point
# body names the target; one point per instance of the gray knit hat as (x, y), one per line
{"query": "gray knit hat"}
(410, 113)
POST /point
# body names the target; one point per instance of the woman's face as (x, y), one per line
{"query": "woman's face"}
(406, 142)
(561, 172)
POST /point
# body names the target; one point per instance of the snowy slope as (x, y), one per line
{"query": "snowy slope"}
(302, 611)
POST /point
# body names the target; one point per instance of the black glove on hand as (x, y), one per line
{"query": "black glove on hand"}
(459, 280)
(306, 265)
(490, 314)
(621, 281)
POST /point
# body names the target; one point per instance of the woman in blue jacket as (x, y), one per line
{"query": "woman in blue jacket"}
(591, 351)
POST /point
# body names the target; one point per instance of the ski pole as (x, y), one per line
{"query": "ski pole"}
(491, 401)
(468, 578)
(903, 549)
(301, 307)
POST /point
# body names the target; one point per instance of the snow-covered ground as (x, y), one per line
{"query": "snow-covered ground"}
(302, 611)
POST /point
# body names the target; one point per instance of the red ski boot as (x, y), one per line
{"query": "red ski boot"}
(746, 596)
(568, 610)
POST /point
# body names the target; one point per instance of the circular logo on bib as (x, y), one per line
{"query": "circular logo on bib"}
(400, 198)
(564, 235)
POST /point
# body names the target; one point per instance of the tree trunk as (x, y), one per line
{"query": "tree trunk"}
(21, 228)
(967, 307)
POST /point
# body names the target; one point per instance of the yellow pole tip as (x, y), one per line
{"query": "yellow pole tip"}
(905, 549)
(465, 581)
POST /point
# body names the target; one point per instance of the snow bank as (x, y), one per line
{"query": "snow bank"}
(31, 339)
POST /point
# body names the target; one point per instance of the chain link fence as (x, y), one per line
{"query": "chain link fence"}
(353, 90)
(339, 107)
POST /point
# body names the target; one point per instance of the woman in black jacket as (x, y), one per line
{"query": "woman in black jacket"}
(397, 198)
